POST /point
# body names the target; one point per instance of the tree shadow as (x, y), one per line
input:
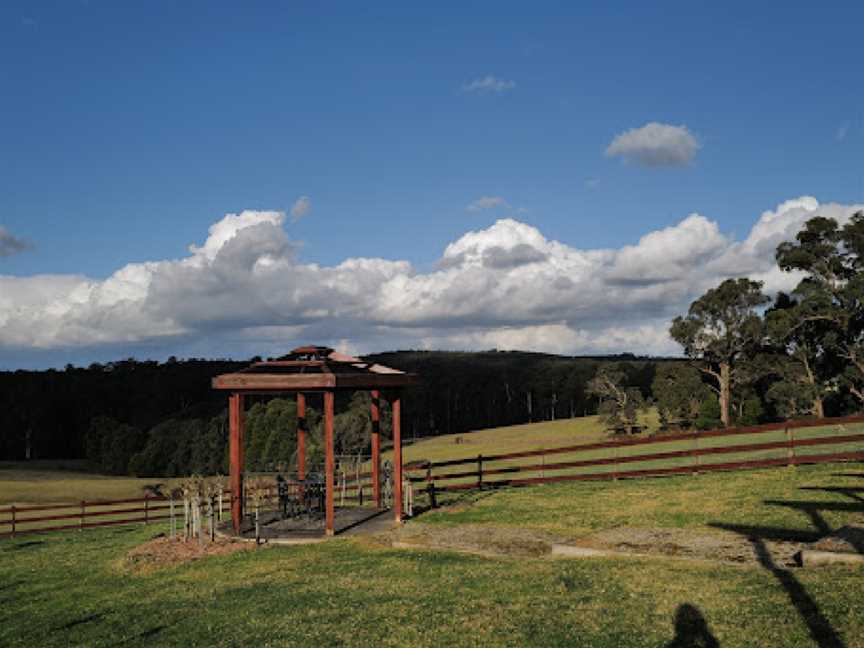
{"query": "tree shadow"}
(820, 629)
(691, 629)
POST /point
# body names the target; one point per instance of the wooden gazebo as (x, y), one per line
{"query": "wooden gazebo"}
(312, 369)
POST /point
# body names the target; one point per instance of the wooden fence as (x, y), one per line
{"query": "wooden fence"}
(20, 519)
(777, 444)
(793, 443)
(39, 518)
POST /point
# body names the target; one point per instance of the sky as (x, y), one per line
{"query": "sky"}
(234, 179)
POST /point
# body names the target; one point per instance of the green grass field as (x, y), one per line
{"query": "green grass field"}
(76, 588)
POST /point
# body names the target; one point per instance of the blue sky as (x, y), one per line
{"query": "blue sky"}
(127, 129)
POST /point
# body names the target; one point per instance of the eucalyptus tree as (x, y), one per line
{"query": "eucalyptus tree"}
(720, 330)
(803, 364)
(831, 293)
(619, 404)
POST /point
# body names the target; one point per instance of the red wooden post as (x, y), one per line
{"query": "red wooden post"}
(376, 448)
(13, 520)
(146, 507)
(83, 504)
(301, 436)
(235, 446)
(397, 457)
(328, 461)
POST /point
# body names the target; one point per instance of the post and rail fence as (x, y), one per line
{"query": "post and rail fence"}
(615, 459)
(484, 472)
(18, 520)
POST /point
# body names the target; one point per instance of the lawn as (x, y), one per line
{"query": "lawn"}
(76, 588)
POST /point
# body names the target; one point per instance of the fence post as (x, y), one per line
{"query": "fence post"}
(83, 504)
(480, 471)
(13, 520)
(697, 459)
(790, 450)
(543, 463)
(430, 489)
(173, 521)
(615, 466)
(146, 507)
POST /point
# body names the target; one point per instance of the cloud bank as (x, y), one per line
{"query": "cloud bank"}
(244, 291)
(655, 145)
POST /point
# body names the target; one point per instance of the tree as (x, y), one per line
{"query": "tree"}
(618, 403)
(830, 298)
(721, 328)
(678, 391)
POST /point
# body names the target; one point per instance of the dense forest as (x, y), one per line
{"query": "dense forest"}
(147, 417)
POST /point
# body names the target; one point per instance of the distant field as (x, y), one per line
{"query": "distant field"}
(544, 434)
(49, 482)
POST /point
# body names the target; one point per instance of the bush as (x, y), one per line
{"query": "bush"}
(709, 414)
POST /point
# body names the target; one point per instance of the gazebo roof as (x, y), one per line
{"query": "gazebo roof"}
(313, 368)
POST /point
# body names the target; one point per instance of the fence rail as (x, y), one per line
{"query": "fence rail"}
(19, 520)
(617, 460)
(612, 456)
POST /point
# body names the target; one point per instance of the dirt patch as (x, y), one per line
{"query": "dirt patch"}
(847, 539)
(719, 546)
(164, 552)
(477, 539)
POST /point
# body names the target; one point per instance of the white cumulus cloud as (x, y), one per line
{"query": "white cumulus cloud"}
(655, 145)
(244, 291)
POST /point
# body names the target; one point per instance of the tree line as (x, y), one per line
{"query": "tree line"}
(753, 358)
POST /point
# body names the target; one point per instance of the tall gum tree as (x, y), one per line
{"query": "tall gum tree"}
(721, 328)
(831, 294)
(803, 363)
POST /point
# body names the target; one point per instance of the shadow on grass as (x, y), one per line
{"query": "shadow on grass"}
(447, 500)
(90, 618)
(26, 545)
(145, 635)
(820, 629)
(691, 629)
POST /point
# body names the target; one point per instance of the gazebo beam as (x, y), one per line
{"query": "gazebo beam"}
(396, 408)
(235, 451)
(376, 447)
(301, 436)
(328, 462)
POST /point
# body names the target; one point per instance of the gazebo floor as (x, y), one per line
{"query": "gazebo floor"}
(353, 520)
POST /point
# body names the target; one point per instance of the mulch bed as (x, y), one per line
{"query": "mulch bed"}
(162, 551)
